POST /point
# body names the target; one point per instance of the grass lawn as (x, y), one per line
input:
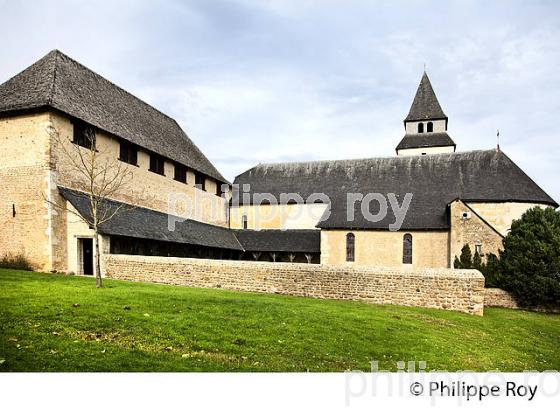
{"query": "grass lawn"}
(63, 323)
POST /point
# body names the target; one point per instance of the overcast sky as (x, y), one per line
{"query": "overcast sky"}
(270, 81)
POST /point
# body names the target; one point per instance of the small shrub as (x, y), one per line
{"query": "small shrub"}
(18, 261)
(465, 261)
(477, 262)
(491, 271)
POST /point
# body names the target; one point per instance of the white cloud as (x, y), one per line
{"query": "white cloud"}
(254, 81)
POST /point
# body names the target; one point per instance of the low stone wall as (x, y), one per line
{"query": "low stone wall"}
(499, 298)
(452, 289)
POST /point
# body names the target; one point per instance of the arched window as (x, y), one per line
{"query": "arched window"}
(430, 127)
(350, 247)
(420, 128)
(407, 248)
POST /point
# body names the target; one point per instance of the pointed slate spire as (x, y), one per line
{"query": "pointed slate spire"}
(425, 105)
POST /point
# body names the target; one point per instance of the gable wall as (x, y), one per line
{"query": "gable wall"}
(472, 231)
(501, 214)
(24, 182)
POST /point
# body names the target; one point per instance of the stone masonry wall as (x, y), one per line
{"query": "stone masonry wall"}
(146, 189)
(472, 231)
(24, 180)
(501, 214)
(499, 298)
(460, 290)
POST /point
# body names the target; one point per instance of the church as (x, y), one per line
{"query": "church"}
(301, 212)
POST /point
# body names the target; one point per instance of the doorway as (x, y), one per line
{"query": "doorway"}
(87, 256)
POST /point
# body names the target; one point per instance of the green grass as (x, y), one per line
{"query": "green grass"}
(62, 323)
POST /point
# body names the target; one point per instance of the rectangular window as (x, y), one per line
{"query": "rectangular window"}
(180, 173)
(218, 188)
(157, 164)
(199, 181)
(478, 249)
(244, 221)
(128, 153)
(84, 134)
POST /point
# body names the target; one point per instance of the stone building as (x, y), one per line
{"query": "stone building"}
(457, 198)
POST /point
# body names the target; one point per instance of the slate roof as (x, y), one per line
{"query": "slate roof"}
(425, 105)
(304, 240)
(426, 139)
(434, 180)
(59, 82)
(145, 223)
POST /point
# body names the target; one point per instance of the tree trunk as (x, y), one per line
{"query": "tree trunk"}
(98, 282)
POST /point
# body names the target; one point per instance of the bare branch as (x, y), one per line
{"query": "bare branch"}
(101, 177)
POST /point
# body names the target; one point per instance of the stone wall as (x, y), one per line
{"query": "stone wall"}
(460, 290)
(499, 298)
(471, 231)
(385, 248)
(501, 214)
(33, 163)
(146, 189)
(25, 226)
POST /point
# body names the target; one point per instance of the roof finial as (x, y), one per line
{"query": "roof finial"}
(424, 67)
(498, 140)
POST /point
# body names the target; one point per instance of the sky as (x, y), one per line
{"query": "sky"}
(280, 80)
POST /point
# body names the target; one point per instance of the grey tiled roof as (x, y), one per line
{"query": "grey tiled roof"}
(147, 224)
(144, 223)
(425, 105)
(305, 240)
(426, 139)
(59, 82)
(434, 180)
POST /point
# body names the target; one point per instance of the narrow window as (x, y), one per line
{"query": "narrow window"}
(218, 189)
(420, 128)
(157, 163)
(350, 247)
(478, 249)
(407, 248)
(84, 134)
(199, 180)
(128, 153)
(244, 221)
(180, 173)
(430, 127)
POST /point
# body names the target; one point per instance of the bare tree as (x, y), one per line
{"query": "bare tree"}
(100, 175)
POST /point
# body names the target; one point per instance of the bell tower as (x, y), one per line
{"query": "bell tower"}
(425, 125)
